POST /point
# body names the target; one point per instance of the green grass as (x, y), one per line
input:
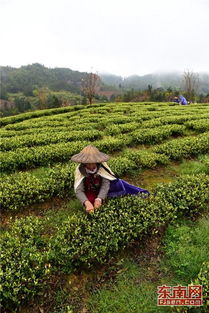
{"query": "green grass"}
(134, 290)
(201, 165)
(130, 293)
(186, 248)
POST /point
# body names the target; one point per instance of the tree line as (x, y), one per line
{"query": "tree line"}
(35, 87)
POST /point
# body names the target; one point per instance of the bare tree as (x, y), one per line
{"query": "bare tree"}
(191, 84)
(90, 86)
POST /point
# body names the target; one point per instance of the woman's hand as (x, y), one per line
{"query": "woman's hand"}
(89, 206)
(97, 203)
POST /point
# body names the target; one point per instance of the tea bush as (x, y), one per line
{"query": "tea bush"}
(48, 138)
(22, 158)
(184, 147)
(157, 134)
(24, 262)
(145, 158)
(24, 188)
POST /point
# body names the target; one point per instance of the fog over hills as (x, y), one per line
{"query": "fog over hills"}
(157, 80)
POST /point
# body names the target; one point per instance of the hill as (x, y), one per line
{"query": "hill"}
(29, 77)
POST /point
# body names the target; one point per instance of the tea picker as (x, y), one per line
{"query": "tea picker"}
(95, 181)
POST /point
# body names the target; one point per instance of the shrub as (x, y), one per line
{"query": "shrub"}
(24, 263)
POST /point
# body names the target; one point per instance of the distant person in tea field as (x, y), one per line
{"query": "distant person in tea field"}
(182, 100)
(95, 181)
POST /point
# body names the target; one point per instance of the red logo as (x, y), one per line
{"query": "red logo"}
(180, 295)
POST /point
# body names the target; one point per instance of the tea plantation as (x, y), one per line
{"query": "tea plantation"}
(35, 168)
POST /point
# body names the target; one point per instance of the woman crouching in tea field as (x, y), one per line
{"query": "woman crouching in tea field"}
(95, 181)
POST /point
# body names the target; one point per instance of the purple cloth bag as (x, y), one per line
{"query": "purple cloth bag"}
(120, 187)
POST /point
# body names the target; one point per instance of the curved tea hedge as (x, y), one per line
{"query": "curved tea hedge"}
(48, 138)
(38, 113)
(157, 134)
(184, 147)
(25, 188)
(22, 158)
(25, 157)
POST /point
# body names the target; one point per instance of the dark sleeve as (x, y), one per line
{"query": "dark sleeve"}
(80, 194)
(104, 188)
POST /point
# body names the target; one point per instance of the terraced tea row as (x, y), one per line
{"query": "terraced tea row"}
(24, 158)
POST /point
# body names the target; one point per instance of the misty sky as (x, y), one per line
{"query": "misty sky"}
(123, 37)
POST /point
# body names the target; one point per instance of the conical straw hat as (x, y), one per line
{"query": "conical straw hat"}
(90, 154)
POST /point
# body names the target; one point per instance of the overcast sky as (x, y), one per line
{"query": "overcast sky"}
(123, 37)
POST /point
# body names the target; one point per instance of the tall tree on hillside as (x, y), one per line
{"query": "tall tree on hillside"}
(42, 94)
(191, 84)
(90, 86)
